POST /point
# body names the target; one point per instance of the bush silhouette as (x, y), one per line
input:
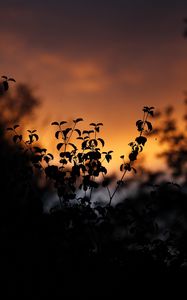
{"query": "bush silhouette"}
(82, 239)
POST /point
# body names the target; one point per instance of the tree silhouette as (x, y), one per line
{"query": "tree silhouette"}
(16, 104)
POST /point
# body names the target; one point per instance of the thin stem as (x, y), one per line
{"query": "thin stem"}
(108, 190)
(71, 133)
(117, 187)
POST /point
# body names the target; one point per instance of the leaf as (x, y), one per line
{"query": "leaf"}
(93, 142)
(36, 158)
(36, 136)
(101, 141)
(57, 134)
(47, 159)
(133, 155)
(85, 132)
(37, 149)
(108, 157)
(138, 122)
(78, 120)
(63, 122)
(15, 126)
(51, 155)
(74, 147)
(141, 140)
(11, 79)
(103, 170)
(64, 161)
(59, 146)
(16, 138)
(84, 144)
(78, 131)
(127, 167)
(55, 123)
(66, 131)
(149, 125)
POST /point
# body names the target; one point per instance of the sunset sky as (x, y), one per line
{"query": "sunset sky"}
(100, 60)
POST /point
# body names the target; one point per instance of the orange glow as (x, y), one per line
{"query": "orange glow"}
(99, 74)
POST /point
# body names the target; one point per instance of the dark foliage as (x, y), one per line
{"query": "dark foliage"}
(84, 246)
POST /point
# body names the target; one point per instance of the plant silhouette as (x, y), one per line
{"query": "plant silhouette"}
(83, 240)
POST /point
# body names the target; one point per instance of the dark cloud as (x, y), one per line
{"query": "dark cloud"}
(83, 28)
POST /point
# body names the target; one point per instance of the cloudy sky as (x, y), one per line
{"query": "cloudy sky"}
(100, 60)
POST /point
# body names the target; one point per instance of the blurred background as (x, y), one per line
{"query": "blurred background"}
(99, 60)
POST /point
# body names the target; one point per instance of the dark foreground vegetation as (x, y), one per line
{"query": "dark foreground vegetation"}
(86, 245)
